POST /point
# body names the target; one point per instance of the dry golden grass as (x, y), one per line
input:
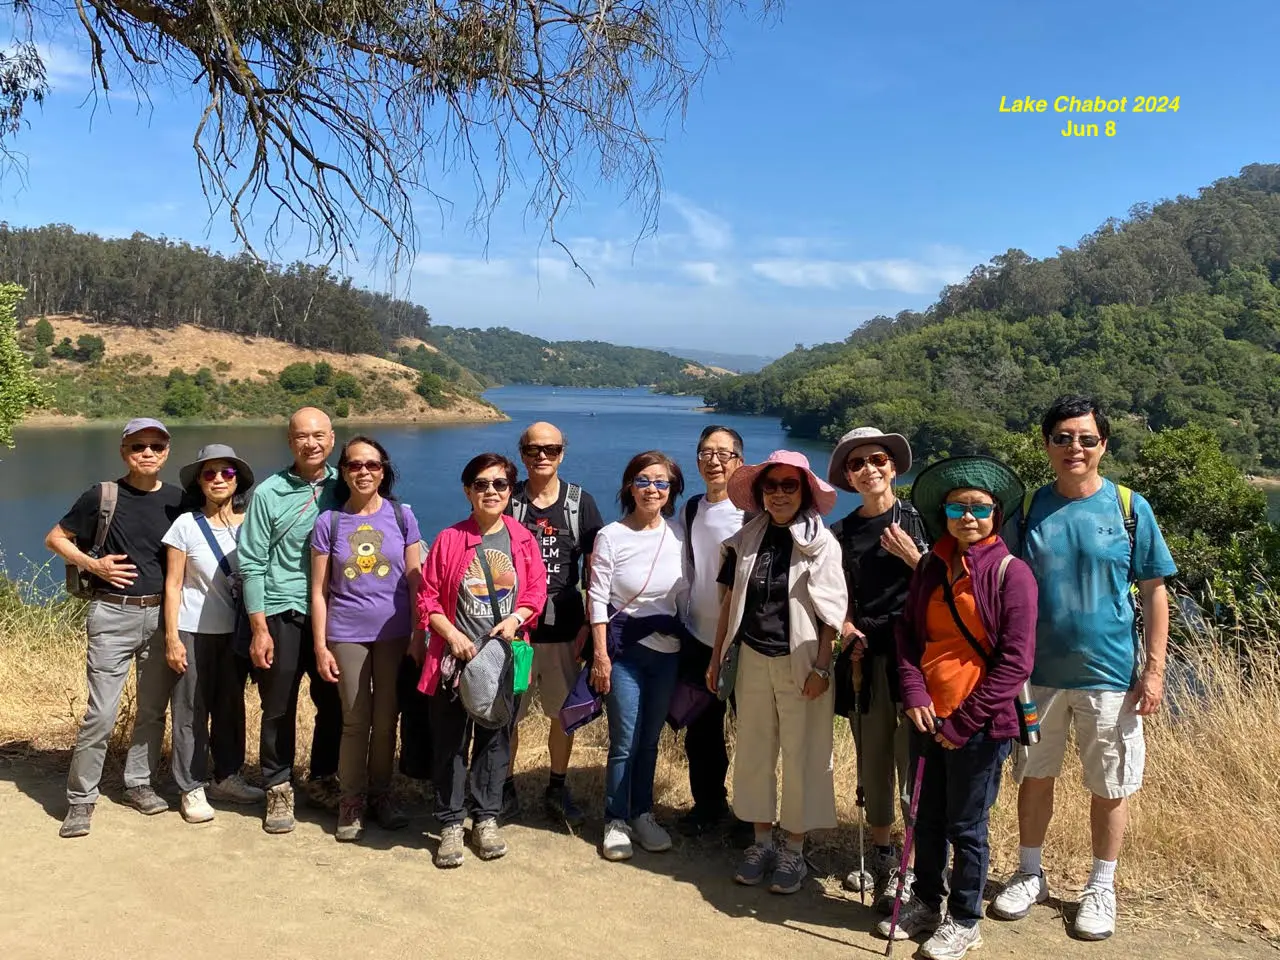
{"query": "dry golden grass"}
(1204, 834)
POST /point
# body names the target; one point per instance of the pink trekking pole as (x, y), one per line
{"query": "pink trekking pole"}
(908, 838)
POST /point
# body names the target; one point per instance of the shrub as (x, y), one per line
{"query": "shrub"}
(342, 410)
(222, 366)
(176, 375)
(430, 387)
(89, 349)
(324, 373)
(183, 399)
(347, 386)
(40, 358)
(204, 378)
(64, 350)
(297, 377)
(44, 332)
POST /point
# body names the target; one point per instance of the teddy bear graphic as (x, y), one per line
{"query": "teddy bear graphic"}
(366, 554)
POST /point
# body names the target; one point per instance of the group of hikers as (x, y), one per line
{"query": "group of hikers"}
(945, 629)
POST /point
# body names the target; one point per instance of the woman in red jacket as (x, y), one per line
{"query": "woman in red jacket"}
(966, 642)
(484, 569)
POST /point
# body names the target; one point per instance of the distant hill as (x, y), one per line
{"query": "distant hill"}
(733, 362)
(502, 356)
(1169, 317)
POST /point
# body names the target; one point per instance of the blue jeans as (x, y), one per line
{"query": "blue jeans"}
(956, 798)
(640, 687)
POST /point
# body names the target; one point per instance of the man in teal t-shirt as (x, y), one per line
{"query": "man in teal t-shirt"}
(275, 565)
(1093, 671)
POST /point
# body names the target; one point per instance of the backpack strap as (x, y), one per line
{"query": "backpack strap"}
(519, 505)
(1130, 521)
(334, 517)
(572, 510)
(223, 563)
(1004, 566)
(690, 512)
(398, 509)
(108, 496)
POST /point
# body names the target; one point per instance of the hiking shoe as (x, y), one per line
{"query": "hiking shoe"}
(914, 919)
(488, 840)
(145, 800)
(510, 803)
(194, 807)
(77, 821)
(701, 820)
(324, 793)
(886, 893)
(451, 850)
(279, 815)
(350, 820)
(1020, 894)
(617, 841)
(650, 833)
(758, 861)
(386, 813)
(951, 941)
(790, 872)
(234, 789)
(560, 805)
(1096, 918)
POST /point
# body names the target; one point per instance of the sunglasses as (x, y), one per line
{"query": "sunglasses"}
(855, 464)
(980, 511)
(155, 446)
(641, 483)
(226, 473)
(531, 451)
(724, 456)
(499, 485)
(1087, 440)
(789, 486)
(355, 466)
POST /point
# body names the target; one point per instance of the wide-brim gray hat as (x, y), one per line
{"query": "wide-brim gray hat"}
(930, 489)
(217, 451)
(895, 443)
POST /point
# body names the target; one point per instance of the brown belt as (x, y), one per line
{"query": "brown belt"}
(116, 600)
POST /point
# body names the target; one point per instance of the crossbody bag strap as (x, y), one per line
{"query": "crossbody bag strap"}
(488, 579)
(987, 657)
(223, 563)
(649, 576)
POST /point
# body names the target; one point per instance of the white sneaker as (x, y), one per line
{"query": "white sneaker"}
(233, 789)
(650, 833)
(1096, 918)
(914, 919)
(1019, 895)
(195, 808)
(951, 941)
(617, 841)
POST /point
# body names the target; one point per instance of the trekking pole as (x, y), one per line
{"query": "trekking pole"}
(860, 797)
(907, 839)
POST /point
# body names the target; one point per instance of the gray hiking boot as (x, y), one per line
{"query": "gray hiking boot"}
(279, 816)
(77, 821)
(886, 893)
(451, 849)
(914, 920)
(145, 800)
(951, 941)
(758, 862)
(789, 874)
(386, 813)
(488, 840)
(234, 789)
(350, 820)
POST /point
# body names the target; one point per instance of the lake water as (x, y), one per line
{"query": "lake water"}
(41, 477)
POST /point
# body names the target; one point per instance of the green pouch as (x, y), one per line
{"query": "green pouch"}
(522, 655)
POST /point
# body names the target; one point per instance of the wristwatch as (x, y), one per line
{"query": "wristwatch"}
(822, 673)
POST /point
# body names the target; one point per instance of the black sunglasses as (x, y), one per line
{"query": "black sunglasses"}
(482, 485)
(551, 451)
(1087, 440)
(155, 446)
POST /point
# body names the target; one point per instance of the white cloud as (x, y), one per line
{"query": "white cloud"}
(704, 271)
(63, 65)
(905, 276)
(706, 230)
(448, 265)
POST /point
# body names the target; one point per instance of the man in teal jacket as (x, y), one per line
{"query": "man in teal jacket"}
(275, 564)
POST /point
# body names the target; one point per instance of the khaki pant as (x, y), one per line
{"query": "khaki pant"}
(367, 686)
(773, 716)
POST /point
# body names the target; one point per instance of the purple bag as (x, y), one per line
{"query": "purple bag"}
(582, 705)
(687, 703)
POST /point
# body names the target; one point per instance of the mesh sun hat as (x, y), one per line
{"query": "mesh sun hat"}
(895, 443)
(217, 451)
(824, 495)
(931, 486)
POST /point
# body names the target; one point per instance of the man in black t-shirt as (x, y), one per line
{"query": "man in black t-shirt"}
(125, 620)
(565, 519)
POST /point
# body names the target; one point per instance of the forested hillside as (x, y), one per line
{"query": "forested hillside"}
(507, 356)
(155, 282)
(1169, 317)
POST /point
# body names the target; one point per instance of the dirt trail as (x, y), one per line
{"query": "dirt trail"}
(151, 887)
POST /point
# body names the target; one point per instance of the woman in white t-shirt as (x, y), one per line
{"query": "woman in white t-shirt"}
(201, 598)
(637, 592)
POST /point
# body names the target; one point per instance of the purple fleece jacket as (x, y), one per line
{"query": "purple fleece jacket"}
(1009, 616)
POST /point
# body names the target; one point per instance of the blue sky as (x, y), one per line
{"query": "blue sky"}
(846, 160)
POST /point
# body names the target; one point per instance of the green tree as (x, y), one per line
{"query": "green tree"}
(19, 390)
(89, 349)
(1025, 455)
(40, 357)
(323, 373)
(342, 410)
(204, 378)
(64, 350)
(183, 399)
(44, 332)
(297, 377)
(347, 386)
(431, 388)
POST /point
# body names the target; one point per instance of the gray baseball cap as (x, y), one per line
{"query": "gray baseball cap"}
(138, 424)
